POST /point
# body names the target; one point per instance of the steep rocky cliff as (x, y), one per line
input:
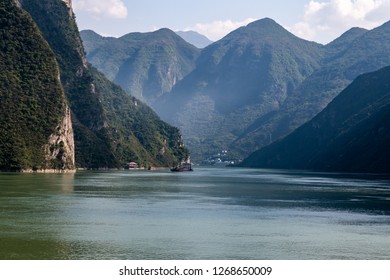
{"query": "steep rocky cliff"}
(60, 148)
(35, 124)
(110, 127)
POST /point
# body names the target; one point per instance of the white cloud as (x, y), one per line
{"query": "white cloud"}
(99, 8)
(325, 21)
(217, 29)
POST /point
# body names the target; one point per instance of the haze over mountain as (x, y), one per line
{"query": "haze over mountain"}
(261, 82)
(146, 65)
(237, 80)
(110, 127)
(356, 52)
(194, 38)
(242, 102)
(352, 134)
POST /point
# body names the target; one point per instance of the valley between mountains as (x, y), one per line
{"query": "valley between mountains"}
(259, 97)
(251, 88)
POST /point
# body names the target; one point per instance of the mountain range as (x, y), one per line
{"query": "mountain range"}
(146, 65)
(352, 134)
(238, 79)
(59, 112)
(198, 40)
(356, 52)
(260, 82)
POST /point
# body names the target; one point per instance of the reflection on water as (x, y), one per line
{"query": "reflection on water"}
(206, 214)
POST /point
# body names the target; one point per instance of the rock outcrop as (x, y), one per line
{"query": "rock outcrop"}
(36, 133)
(68, 3)
(60, 150)
(110, 127)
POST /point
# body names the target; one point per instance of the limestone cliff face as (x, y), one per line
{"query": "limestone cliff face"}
(79, 44)
(60, 150)
(36, 133)
(110, 128)
(69, 4)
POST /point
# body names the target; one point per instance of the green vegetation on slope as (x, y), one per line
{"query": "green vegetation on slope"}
(261, 82)
(244, 76)
(351, 134)
(32, 102)
(138, 134)
(356, 52)
(102, 113)
(60, 30)
(146, 65)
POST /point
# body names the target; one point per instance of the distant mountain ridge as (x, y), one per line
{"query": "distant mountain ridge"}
(352, 134)
(246, 75)
(146, 65)
(356, 52)
(194, 38)
(260, 82)
(329, 69)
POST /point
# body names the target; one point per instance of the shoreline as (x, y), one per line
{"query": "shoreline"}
(41, 171)
(48, 171)
(72, 171)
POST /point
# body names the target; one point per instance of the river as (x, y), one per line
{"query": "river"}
(207, 214)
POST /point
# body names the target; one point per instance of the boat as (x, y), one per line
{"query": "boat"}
(182, 167)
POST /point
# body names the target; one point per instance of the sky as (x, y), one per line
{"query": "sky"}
(316, 20)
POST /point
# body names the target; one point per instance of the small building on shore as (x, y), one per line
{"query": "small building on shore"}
(131, 165)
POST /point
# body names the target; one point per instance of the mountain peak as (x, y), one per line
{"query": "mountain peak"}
(194, 38)
(160, 59)
(164, 31)
(264, 22)
(262, 29)
(90, 32)
(344, 41)
(165, 35)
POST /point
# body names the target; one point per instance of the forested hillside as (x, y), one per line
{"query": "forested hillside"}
(352, 134)
(110, 127)
(35, 129)
(237, 80)
(356, 52)
(255, 85)
(146, 65)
